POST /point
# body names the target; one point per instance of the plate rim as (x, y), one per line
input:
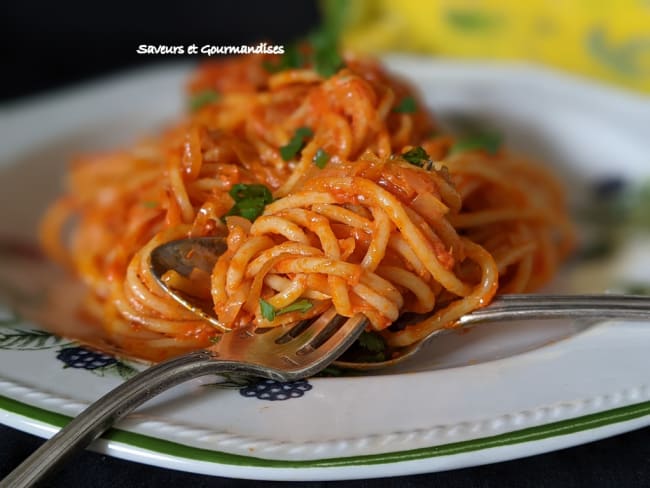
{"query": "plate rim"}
(45, 423)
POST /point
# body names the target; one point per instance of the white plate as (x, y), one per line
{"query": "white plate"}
(493, 394)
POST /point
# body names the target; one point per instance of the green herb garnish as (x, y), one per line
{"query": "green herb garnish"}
(416, 156)
(269, 312)
(296, 143)
(325, 56)
(488, 142)
(408, 105)
(291, 59)
(325, 40)
(336, 15)
(370, 347)
(199, 100)
(371, 342)
(321, 158)
(150, 204)
(327, 62)
(298, 306)
(215, 339)
(250, 200)
(322, 54)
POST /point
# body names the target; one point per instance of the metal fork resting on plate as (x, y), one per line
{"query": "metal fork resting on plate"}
(283, 354)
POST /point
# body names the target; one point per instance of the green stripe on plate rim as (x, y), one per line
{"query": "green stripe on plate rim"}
(554, 429)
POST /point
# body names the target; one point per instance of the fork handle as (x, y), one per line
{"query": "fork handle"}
(533, 306)
(109, 409)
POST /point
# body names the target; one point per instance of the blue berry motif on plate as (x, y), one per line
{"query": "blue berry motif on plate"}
(80, 357)
(272, 390)
(14, 336)
(97, 362)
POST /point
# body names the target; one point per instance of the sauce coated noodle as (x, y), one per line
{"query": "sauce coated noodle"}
(364, 229)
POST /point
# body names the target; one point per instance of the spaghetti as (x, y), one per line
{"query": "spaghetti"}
(355, 221)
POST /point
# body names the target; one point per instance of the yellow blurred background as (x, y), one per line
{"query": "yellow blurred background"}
(604, 39)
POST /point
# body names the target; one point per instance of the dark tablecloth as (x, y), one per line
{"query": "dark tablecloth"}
(622, 461)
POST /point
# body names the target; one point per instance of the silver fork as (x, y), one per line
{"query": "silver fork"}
(595, 307)
(281, 354)
(202, 252)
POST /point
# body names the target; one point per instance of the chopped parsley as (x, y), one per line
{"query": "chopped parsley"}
(269, 312)
(322, 54)
(368, 348)
(417, 156)
(296, 143)
(321, 158)
(327, 62)
(291, 59)
(298, 306)
(215, 339)
(408, 105)
(199, 100)
(250, 200)
(325, 40)
(371, 342)
(488, 142)
(325, 56)
(150, 204)
(336, 15)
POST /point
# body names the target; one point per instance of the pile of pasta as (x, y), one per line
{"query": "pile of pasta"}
(371, 210)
